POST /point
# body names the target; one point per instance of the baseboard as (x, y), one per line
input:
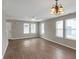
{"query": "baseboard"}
(5, 50)
(22, 38)
(61, 44)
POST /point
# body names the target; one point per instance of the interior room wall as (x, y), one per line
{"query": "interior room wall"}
(17, 30)
(4, 35)
(8, 29)
(50, 31)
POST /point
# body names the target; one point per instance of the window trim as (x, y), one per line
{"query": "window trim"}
(30, 28)
(42, 27)
(64, 30)
(61, 29)
(24, 28)
(34, 28)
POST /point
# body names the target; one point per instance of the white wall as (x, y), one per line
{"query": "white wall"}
(17, 30)
(4, 35)
(8, 29)
(50, 31)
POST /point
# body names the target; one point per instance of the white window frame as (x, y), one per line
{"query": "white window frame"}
(64, 30)
(57, 29)
(33, 30)
(26, 32)
(29, 28)
(42, 28)
(73, 38)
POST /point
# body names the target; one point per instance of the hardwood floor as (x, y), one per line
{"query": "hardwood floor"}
(37, 49)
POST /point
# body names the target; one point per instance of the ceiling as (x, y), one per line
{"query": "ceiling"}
(40, 9)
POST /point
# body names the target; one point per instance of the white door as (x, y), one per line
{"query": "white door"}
(8, 29)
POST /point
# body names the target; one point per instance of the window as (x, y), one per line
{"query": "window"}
(66, 28)
(59, 28)
(42, 28)
(26, 28)
(70, 29)
(33, 28)
(29, 28)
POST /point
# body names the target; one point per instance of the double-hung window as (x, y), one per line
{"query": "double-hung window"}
(33, 28)
(59, 28)
(26, 28)
(70, 28)
(66, 28)
(29, 28)
(42, 28)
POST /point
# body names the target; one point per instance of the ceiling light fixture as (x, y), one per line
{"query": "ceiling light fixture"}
(57, 9)
(34, 18)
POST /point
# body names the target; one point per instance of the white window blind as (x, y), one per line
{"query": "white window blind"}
(42, 28)
(59, 28)
(33, 28)
(26, 28)
(70, 28)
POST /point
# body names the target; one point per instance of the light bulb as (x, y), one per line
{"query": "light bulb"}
(52, 9)
(61, 9)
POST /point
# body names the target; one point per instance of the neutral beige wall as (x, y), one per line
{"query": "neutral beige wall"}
(50, 31)
(4, 35)
(17, 30)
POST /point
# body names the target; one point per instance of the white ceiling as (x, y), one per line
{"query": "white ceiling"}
(40, 9)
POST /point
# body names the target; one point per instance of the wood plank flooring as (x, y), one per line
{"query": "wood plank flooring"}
(37, 48)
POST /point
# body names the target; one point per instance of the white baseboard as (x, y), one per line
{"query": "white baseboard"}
(22, 38)
(61, 44)
(5, 50)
